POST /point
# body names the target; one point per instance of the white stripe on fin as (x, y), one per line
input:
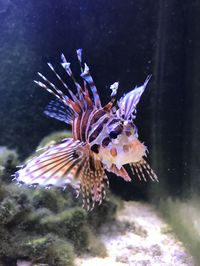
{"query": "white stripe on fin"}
(128, 103)
(56, 166)
(88, 78)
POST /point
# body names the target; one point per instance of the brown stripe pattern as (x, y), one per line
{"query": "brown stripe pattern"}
(77, 161)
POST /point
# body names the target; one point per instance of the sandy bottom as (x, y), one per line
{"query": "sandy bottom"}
(139, 238)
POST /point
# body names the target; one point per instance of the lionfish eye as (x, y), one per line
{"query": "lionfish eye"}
(95, 148)
(113, 134)
(105, 142)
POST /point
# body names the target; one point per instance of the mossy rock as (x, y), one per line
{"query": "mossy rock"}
(60, 253)
(48, 249)
(96, 247)
(8, 162)
(14, 205)
(71, 224)
(8, 157)
(8, 210)
(105, 213)
(51, 199)
(54, 138)
(50, 140)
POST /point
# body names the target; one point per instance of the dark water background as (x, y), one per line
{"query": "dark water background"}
(121, 40)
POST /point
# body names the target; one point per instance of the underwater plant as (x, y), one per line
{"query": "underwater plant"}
(104, 138)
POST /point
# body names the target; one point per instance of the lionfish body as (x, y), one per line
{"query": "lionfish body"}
(104, 138)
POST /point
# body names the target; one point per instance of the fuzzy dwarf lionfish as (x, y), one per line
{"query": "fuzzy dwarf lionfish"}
(104, 138)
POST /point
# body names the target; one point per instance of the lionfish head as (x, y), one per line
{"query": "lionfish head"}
(125, 147)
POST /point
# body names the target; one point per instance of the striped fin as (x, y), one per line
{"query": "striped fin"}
(120, 172)
(93, 183)
(63, 83)
(114, 88)
(58, 93)
(127, 104)
(57, 166)
(79, 56)
(69, 163)
(88, 78)
(80, 102)
(66, 66)
(57, 110)
(86, 98)
(142, 170)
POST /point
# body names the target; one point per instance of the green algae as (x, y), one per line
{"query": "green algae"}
(54, 138)
(48, 249)
(8, 162)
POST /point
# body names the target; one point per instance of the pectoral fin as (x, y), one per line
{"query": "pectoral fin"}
(57, 166)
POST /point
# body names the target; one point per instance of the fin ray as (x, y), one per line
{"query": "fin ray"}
(142, 169)
(59, 111)
(128, 103)
(52, 168)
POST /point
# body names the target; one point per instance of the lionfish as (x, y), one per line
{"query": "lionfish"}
(104, 139)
